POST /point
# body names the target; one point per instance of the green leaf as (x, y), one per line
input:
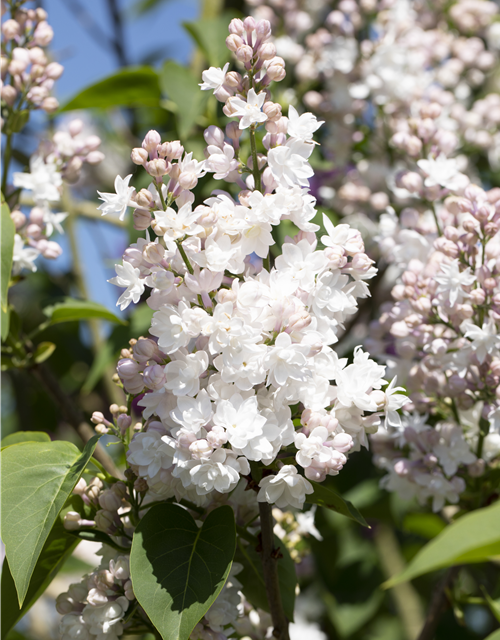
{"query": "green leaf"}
(93, 535)
(329, 499)
(43, 351)
(252, 578)
(475, 537)
(57, 548)
(185, 97)
(210, 35)
(37, 479)
(7, 251)
(131, 87)
(178, 569)
(494, 636)
(5, 321)
(494, 605)
(427, 525)
(25, 436)
(72, 309)
(350, 617)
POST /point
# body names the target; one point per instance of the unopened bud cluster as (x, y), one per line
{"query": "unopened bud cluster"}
(27, 74)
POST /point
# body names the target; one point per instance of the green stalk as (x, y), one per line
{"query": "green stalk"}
(256, 171)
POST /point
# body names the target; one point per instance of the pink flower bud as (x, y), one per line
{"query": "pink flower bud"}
(104, 521)
(154, 377)
(75, 127)
(128, 368)
(11, 29)
(249, 24)
(109, 501)
(37, 215)
(50, 104)
(236, 26)
(234, 42)
(9, 94)
(94, 157)
(276, 69)
(188, 180)
(477, 296)
(157, 167)
(343, 442)
(139, 156)
(214, 136)
(176, 150)
(142, 219)
(233, 131)
(151, 142)
(153, 253)
(244, 53)
(272, 110)
(71, 521)
(232, 80)
(54, 70)
(18, 218)
(43, 34)
(264, 29)
(266, 51)
(49, 249)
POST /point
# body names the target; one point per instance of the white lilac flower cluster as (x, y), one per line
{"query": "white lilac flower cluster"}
(441, 335)
(57, 160)
(95, 608)
(240, 369)
(27, 74)
(419, 75)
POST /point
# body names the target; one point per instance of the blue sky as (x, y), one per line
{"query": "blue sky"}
(86, 62)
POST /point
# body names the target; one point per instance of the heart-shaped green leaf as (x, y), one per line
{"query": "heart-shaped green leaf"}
(37, 479)
(25, 436)
(179, 569)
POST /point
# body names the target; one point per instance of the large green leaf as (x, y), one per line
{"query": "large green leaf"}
(475, 537)
(25, 436)
(37, 479)
(178, 569)
(252, 578)
(131, 87)
(6, 252)
(494, 636)
(57, 548)
(72, 309)
(329, 499)
(185, 97)
(210, 35)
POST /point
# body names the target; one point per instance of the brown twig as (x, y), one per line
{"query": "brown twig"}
(270, 570)
(73, 416)
(438, 604)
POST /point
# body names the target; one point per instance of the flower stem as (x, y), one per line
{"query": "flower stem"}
(185, 258)
(438, 604)
(255, 163)
(6, 163)
(270, 570)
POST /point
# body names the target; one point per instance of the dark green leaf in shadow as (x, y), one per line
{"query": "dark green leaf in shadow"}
(178, 569)
(329, 499)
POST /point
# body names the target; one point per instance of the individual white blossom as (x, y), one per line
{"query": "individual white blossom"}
(117, 203)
